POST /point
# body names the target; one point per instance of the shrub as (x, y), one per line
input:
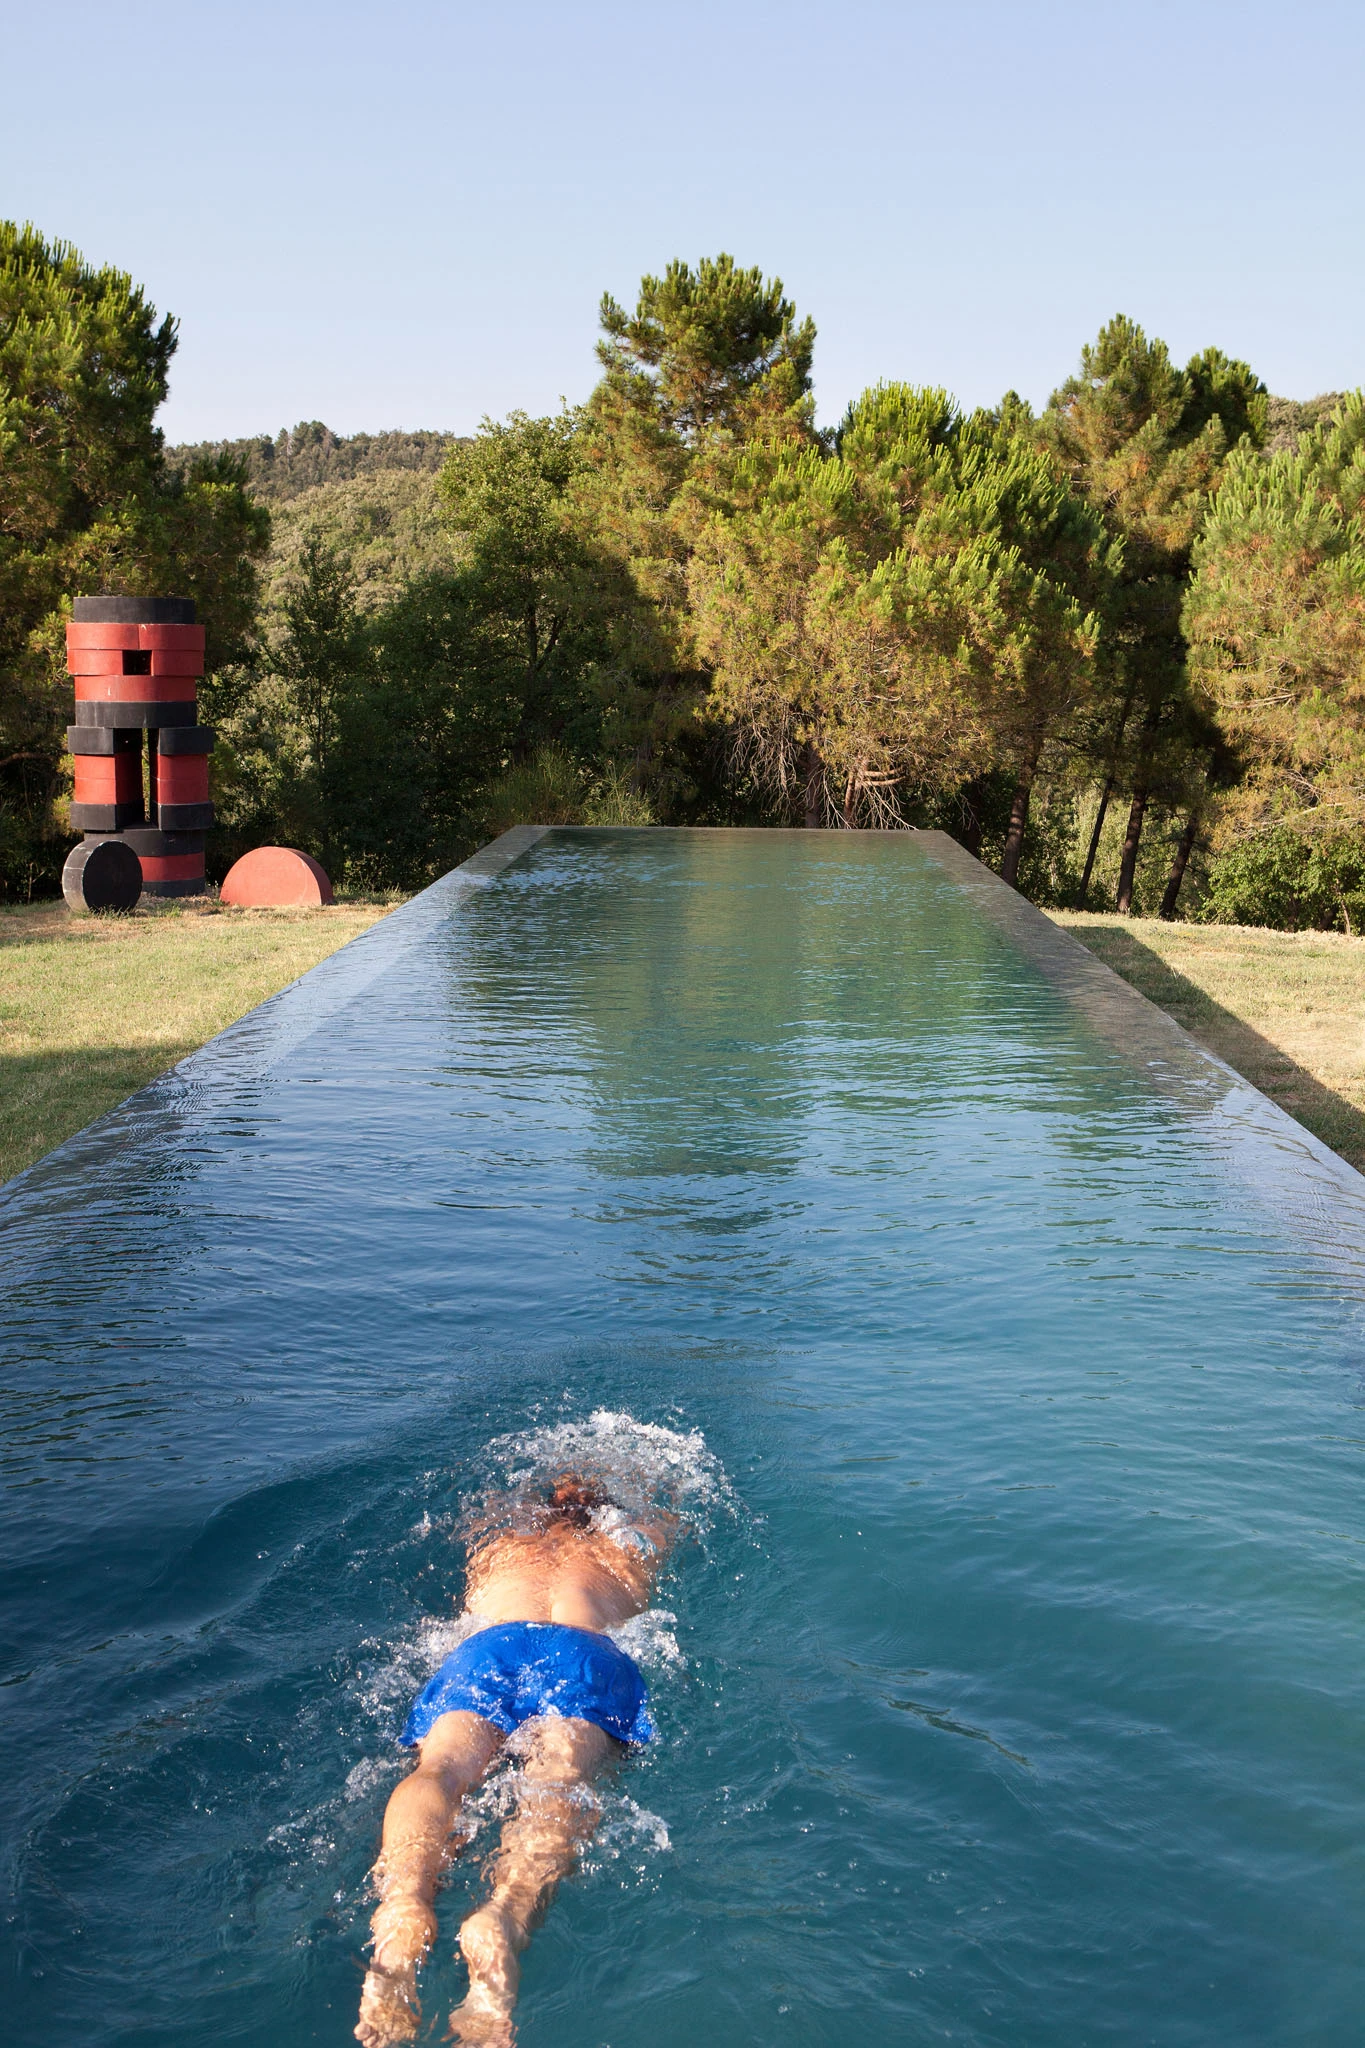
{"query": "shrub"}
(1291, 881)
(552, 788)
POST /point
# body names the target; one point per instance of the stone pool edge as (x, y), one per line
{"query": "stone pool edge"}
(315, 997)
(1148, 1037)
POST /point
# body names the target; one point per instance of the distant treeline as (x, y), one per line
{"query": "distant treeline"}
(1117, 646)
(302, 457)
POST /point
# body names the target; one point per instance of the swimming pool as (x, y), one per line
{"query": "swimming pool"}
(1017, 1696)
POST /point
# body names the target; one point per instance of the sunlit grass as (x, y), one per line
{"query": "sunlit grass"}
(93, 1007)
(1286, 1009)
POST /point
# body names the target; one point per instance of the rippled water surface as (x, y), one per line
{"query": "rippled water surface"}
(1015, 1696)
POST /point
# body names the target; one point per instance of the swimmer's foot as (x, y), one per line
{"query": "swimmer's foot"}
(490, 1949)
(389, 2011)
(401, 1932)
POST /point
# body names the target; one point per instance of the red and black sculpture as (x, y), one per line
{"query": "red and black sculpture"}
(136, 662)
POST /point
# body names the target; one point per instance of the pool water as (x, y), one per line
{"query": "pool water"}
(1010, 1687)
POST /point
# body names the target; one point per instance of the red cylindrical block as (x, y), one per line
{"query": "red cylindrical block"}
(177, 661)
(108, 778)
(182, 778)
(106, 661)
(85, 635)
(135, 689)
(172, 867)
(172, 639)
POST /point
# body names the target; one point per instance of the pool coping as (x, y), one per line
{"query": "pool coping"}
(292, 1013)
(1147, 1037)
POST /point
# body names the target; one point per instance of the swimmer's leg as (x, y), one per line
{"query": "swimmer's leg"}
(556, 1815)
(419, 1842)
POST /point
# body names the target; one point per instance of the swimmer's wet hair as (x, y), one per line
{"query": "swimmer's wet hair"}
(574, 1499)
(570, 1500)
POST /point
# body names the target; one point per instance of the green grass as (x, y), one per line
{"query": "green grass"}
(1286, 1009)
(93, 1007)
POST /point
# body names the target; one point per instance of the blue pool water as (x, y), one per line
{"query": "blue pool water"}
(1012, 1693)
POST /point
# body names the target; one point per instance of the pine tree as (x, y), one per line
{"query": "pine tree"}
(1276, 619)
(901, 615)
(713, 361)
(1147, 443)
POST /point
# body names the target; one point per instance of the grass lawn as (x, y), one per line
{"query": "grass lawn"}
(93, 1007)
(1286, 1009)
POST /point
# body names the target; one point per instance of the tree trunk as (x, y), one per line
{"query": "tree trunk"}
(850, 795)
(1132, 840)
(971, 800)
(1094, 847)
(1105, 795)
(1014, 838)
(814, 770)
(1178, 865)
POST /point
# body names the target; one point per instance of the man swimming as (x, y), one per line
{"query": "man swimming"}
(542, 1670)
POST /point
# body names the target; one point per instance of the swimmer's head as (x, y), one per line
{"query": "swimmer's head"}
(575, 1500)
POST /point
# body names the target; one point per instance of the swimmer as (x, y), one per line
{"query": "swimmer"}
(541, 1669)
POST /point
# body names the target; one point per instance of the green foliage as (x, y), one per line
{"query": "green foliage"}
(1049, 867)
(707, 348)
(1287, 418)
(310, 456)
(1147, 444)
(555, 605)
(1290, 880)
(552, 788)
(1276, 619)
(713, 363)
(83, 366)
(890, 620)
(681, 602)
(388, 524)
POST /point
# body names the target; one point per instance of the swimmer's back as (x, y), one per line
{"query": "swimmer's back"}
(580, 1578)
(582, 1575)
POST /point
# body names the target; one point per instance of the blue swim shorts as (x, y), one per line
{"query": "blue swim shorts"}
(519, 1669)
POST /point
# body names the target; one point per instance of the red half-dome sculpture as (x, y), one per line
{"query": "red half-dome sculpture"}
(276, 878)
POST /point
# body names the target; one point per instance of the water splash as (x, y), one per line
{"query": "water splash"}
(639, 1464)
(649, 1639)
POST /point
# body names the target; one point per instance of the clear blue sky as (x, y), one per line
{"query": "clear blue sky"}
(404, 215)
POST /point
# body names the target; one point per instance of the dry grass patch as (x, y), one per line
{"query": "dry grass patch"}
(93, 1007)
(1286, 1009)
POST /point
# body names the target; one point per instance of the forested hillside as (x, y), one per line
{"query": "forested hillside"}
(302, 457)
(1117, 646)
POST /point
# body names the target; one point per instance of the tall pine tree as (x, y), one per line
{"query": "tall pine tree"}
(1147, 443)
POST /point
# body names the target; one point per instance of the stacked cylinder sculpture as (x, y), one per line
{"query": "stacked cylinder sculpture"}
(141, 757)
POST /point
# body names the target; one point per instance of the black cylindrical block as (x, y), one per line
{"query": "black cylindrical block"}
(185, 739)
(104, 739)
(105, 817)
(159, 845)
(102, 874)
(133, 611)
(168, 714)
(178, 820)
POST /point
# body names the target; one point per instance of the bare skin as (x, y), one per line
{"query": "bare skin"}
(565, 1573)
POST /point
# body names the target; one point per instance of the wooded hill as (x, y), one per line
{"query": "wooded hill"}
(302, 457)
